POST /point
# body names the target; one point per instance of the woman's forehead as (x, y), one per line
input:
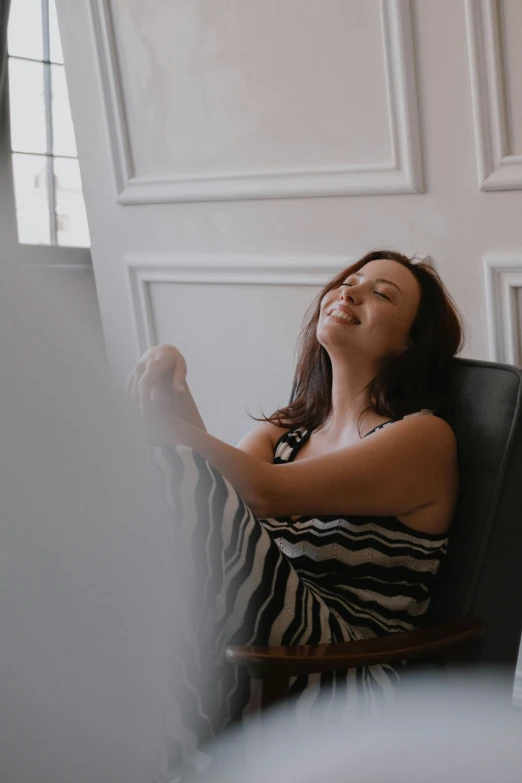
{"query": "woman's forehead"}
(391, 270)
(385, 267)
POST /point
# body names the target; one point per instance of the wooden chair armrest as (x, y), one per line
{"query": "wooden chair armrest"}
(263, 662)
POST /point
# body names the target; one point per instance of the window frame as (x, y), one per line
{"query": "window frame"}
(53, 254)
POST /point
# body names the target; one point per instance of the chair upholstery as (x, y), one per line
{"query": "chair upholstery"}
(482, 572)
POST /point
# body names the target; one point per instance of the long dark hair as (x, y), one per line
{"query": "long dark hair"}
(414, 379)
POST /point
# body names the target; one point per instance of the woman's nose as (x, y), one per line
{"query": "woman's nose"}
(352, 292)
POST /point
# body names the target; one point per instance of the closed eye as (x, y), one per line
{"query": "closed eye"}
(377, 292)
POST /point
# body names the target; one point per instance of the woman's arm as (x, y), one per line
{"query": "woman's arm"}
(249, 474)
(184, 406)
(397, 470)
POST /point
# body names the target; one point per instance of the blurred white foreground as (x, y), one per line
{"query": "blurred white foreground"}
(86, 597)
(465, 731)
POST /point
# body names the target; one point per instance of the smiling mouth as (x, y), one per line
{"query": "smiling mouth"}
(344, 316)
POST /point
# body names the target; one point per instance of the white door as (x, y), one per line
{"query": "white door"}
(235, 154)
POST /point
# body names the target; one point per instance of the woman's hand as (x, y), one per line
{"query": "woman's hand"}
(161, 372)
(158, 394)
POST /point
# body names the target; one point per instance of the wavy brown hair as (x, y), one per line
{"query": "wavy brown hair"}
(414, 379)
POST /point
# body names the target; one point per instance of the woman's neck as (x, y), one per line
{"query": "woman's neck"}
(349, 399)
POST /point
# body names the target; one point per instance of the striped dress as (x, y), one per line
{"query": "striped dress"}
(318, 579)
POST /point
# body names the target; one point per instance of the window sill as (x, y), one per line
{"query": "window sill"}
(53, 255)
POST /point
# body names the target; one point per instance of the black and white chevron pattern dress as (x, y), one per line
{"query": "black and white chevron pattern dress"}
(328, 578)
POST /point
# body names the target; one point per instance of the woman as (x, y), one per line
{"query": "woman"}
(329, 520)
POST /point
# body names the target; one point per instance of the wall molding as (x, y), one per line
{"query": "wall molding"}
(503, 279)
(497, 168)
(142, 271)
(402, 174)
(112, 93)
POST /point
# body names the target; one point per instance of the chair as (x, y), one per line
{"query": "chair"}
(479, 584)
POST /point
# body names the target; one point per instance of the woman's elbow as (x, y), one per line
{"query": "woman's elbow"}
(257, 490)
(259, 505)
(261, 499)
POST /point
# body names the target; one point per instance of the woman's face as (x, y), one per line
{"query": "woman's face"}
(372, 310)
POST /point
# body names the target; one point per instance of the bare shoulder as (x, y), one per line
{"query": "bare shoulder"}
(433, 430)
(272, 431)
(422, 445)
(428, 453)
(426, 447)
(261, 440)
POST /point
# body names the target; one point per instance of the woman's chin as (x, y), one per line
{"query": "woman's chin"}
(339, 336)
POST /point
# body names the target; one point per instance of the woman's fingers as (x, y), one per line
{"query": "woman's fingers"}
(160, 395)
(160, 367)
(171, 373)
(180, 374)
(156, 377)
(146, 383)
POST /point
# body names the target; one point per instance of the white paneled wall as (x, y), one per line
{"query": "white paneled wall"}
(257, 305)
(260, 113)
(503, 280)
(236, 154)
(494, 34)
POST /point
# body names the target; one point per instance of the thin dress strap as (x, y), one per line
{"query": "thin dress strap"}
(423, 412)
(289, 444)
(292, 441)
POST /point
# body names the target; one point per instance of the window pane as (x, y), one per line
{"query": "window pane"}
(63, 132)
(71, 219)
(32, 199)
(54, 35)
(27, 106)
(24, 31)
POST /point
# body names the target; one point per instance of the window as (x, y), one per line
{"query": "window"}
(48, 191)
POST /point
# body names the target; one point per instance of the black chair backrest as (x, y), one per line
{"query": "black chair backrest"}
(482, 573)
